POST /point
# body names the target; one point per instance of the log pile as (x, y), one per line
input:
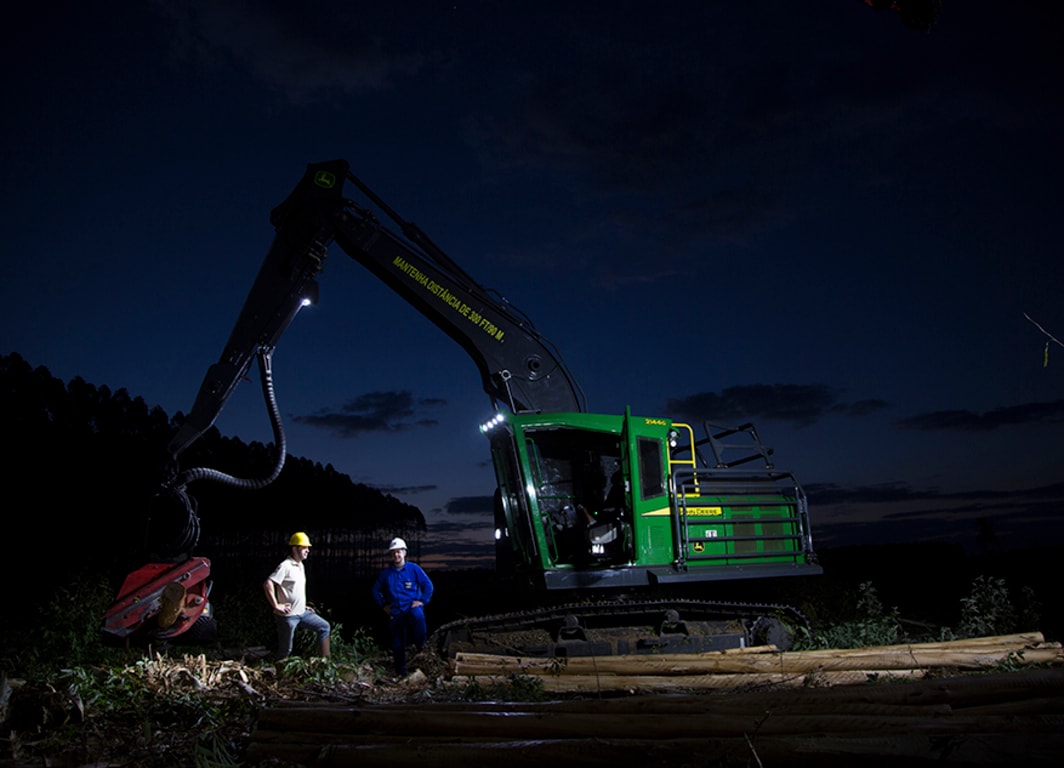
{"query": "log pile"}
(785, 716)
(746, 667)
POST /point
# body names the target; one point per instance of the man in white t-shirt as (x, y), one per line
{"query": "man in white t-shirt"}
(286, 592)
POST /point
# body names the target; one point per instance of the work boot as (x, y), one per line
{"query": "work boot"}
(323, 648)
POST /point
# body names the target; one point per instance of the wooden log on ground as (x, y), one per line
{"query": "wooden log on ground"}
(1018, 639)
(986, 750)
(786, 664)
(959, 655)
(423, 723)
(949, 693)
(643, 683)
(956, 691)
(983, 749)
(951, 720)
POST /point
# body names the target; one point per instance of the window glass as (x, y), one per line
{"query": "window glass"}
(651, 478)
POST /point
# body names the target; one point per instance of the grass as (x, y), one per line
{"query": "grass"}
(869, 624)
(93, 682)
(74, 693)
(862, 620)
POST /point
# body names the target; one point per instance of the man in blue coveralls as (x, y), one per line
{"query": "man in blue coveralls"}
(403, 590)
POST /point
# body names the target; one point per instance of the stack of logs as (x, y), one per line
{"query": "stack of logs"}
(831, 708)
(746, 667)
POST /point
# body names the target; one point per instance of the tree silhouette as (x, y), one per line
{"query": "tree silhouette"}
(84, 461)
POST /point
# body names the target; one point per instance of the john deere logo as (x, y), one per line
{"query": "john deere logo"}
(698, 546)
(705, 511)
(325, 179)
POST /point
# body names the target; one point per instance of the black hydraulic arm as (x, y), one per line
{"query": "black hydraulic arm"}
(519, 367)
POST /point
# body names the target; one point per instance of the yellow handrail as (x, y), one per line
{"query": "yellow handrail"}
(690, 444)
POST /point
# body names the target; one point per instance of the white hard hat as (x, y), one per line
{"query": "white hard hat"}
(397, 543)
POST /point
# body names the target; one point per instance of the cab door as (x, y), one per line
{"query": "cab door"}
(645, 455)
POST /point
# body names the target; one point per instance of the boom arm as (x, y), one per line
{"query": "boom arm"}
(518, 366)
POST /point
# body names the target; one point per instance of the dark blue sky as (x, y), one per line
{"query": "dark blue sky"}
(804, 214)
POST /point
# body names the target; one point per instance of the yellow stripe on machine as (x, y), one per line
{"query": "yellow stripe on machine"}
(691, 512)
(705, 511)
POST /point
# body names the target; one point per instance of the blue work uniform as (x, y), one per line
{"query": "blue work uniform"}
(399, 588)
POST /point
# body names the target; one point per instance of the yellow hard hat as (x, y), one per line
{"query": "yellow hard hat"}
(299, 539)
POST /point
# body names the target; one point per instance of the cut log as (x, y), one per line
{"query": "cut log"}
(960, 655)
(984, 750)
(641, 683)
(826, 718)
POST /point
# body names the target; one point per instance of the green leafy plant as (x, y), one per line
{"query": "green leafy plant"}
(526, 688)
(68, 630)
(513, 687)
(140, 691)
(353, 656)
(212, 750)
(164, 709)
(244, 619)
(871, 625)
(161, 700)
(348, 648)
(987, 609)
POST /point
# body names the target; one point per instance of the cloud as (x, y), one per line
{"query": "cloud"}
(459, 542)
(826, 494)
(862, 407)
(482, 506)
(397, 490)
(987, 421)
(897, 512)
(830, 493)
(799, 404)
(373, 412)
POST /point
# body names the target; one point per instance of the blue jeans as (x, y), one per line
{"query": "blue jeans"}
(286, 630)
(409, 627)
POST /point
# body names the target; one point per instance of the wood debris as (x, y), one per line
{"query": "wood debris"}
(763, 665)
(834, 708)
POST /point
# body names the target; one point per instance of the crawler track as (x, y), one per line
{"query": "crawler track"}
(622, 627)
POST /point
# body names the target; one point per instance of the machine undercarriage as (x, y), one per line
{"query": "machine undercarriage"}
(622, 627)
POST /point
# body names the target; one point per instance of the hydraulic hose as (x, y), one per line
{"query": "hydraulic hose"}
(206, 473)
(174, 525)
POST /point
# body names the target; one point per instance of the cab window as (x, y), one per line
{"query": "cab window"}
(651, 476)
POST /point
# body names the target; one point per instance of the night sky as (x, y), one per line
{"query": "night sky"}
(806, 215)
